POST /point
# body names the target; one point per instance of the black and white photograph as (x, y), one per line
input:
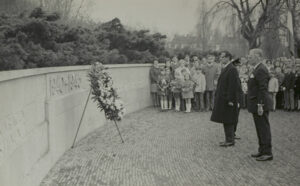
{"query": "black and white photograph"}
(149, 92)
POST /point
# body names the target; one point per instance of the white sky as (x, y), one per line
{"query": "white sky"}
(166, 16)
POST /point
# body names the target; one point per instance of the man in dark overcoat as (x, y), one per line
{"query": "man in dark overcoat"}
(226, 103)
(259, 104)
(237, 64)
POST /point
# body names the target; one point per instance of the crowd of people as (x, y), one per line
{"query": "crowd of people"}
(284, 83)
(224, 85)
(189, 83)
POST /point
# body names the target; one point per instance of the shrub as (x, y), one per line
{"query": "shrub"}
(39, 40)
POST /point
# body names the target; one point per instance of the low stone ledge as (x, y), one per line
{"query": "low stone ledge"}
(16, 74)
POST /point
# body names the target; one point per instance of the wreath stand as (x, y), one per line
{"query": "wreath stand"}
(87, 100)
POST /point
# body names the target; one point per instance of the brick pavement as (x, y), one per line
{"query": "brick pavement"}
(171, 148)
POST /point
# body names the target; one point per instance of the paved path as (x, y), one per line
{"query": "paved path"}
(170, 148)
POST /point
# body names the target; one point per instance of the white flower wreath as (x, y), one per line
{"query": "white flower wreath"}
(104, 94)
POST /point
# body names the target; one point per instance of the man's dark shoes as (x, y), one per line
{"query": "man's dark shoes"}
(222, 142)
(226, 144)
(237, 137)
(256, 155)
(264, 158)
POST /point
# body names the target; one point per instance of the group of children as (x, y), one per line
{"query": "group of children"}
(177, 85)
(190, 84)
(284, 83)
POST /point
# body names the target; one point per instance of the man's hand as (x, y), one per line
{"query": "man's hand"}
(230, 103)
(260, 109)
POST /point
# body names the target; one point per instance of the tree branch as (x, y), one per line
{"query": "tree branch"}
(236, 7)
(242, 7)
(262, 4)
(251, 10)
(78, 10)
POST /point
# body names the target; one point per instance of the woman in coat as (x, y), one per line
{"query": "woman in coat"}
(154, 74)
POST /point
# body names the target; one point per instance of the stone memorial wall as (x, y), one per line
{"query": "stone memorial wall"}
(40, 110)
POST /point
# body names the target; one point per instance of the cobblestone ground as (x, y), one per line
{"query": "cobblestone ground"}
(171, 148)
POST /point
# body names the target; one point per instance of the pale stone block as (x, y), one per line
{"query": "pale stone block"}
(20, 92)
(61, 104)
(20, 162)
(34, 113)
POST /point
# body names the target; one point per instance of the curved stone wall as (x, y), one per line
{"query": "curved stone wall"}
(40, 110)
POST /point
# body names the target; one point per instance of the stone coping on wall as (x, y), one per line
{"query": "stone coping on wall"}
(16, 74)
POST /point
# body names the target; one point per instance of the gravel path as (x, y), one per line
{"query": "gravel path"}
(171, 148)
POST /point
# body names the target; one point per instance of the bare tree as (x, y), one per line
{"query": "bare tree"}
(294, 7)
(204, 25)
(69, 10)
(253, 16)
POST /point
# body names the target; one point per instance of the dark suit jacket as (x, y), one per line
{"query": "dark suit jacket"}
(297, 85)
(228, 90)
(258, 89)
(289, 81)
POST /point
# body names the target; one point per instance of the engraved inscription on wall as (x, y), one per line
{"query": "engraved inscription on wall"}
(64, 83)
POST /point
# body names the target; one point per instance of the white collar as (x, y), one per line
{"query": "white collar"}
(226, 64)
(256, 65)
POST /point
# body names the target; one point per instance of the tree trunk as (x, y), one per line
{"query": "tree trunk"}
(252, 42)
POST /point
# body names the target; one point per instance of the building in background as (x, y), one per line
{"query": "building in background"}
(227, 38)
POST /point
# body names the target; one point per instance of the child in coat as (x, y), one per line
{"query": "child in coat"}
(176, 91)
(244, 81)
(162, 89)
(154, 74)
(200, 84)
(169, 77)
(273, 88)
(187, 91)
(297, 89)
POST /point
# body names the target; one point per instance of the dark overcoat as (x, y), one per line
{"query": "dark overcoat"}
(297, 85)
(258, 89)
(228, 90)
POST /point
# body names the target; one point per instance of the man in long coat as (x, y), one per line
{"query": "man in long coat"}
(259, 104)
(237, 63)
(226, 107)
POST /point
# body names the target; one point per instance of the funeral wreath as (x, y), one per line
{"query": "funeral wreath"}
(104, 93)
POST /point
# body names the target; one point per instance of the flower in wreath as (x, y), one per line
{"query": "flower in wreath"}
(104, 93)
(119, 104)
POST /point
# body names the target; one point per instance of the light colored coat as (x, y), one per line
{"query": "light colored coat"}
(200, 81)
(187, 89)
(273, 85)
(178, 73)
